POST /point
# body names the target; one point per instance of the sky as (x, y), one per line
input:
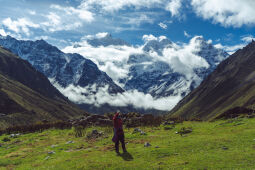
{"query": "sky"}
(230, 24)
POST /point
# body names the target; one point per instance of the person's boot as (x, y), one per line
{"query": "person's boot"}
(117, 150)
(124, 148)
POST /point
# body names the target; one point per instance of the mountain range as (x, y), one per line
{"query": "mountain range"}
(150, 69)
(160, 67)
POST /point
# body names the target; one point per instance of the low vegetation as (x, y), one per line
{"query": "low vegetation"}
(228, 144)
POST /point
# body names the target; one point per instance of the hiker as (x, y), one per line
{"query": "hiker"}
(118, 133)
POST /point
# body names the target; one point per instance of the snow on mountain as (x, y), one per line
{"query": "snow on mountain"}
(102, 39)
(64, 69)
(174, 70)
(155, 75)
(156, 44)
(162, 69)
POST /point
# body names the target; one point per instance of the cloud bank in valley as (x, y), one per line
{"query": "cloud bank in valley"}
(101, 96)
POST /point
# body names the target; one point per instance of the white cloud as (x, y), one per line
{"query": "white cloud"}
(20, 25)
(97, 98)
(233, 48)
(230, 49)
(174, 7)
(96, 36)
(66, 18)
(149, 37)
(32, 12)
(183, 59)
(81, 13)
(226, 12)
(162, 25)
(113, 5)
(138, 19)
(186, 34)
(54, 19)
(2, 32)
(43, 37)
(57, 23)
(248, 38)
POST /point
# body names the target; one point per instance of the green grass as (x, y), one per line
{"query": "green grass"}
(227, 144)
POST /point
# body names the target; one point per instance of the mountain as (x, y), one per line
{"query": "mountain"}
(157, 45)
(27, 96)
(61, 68)
(105, 39)
(159, 78)
(231, 85)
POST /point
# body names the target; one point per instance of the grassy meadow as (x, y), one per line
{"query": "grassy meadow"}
(223, 144)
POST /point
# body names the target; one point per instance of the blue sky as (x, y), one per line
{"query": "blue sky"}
(228, 23)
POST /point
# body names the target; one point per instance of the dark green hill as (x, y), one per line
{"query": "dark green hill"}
(26, 95)
(231, 85)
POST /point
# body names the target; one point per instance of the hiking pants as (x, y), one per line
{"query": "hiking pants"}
(122, 140)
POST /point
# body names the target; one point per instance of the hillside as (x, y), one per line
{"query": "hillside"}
(225, 144)
(27, 96)
(231, 85)
(23, 72)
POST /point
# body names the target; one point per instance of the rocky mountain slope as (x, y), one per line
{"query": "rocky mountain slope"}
(63, 69)
(27, 96)
(231, 85)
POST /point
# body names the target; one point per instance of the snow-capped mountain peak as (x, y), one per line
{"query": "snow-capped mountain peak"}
(102, 39)
(157, 44)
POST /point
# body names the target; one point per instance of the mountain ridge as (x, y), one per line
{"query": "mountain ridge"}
(66, 69)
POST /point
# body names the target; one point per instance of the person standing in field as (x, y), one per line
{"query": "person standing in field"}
(118, 133)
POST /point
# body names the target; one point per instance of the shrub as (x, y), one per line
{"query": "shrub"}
(185, 130)
(168, 127)
(6, 139)
(79, 131)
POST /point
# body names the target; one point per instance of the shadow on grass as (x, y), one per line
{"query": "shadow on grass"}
(126, 156)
